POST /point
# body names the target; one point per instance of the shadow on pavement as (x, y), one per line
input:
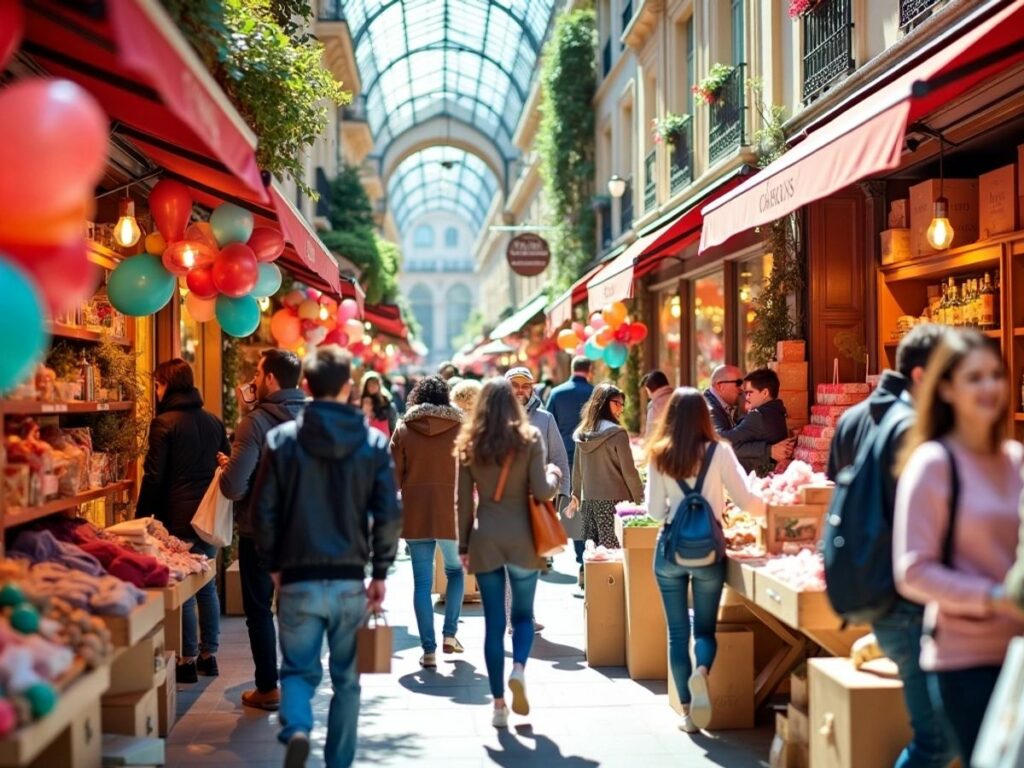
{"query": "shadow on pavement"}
(515, 751)
(566, 657)
(464, 686)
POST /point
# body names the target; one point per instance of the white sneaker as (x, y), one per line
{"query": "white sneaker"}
(500, 718)
(700, 700)
(517, 684)
(686, 724)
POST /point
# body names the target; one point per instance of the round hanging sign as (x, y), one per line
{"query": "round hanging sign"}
(528, 254)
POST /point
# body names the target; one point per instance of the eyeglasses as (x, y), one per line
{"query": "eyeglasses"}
(620, 403)
(734, 382)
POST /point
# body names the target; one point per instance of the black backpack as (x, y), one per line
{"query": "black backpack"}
(857, 540)
(695, 538)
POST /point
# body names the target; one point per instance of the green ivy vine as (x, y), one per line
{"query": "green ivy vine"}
(566, 141)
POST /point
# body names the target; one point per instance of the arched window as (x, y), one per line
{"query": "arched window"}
(421, 300)
(451, 237)
(423, 237)
(458, 307)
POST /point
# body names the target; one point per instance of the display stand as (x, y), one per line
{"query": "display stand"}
(126, 631)
(174, 597)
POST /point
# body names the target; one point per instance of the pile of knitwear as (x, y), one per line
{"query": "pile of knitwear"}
(65, 570)
(148, 536)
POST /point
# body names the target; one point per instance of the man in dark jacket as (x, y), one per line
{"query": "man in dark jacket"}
(279, 400)
(326, 506)
(723, 395)
(565, 403)
(900, 630)
(761, 438)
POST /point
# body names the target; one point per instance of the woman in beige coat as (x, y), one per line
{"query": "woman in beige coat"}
(496, 538)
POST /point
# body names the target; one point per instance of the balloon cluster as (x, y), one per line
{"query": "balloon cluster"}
(227, 263)
(607, 336)
(311, 318)
(53, 149)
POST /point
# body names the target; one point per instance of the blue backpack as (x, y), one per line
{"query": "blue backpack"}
(694, 538)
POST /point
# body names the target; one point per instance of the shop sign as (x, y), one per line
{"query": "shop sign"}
(528, 254)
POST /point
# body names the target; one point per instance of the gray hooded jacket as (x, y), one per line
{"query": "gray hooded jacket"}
(554, 448)
(603, 468)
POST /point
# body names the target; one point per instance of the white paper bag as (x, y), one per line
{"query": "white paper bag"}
(214, 519)
(1001, 740)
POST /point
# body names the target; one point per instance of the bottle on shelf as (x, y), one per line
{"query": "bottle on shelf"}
(966, 304)
(943, 305)
(987, 321)
(88, 375)
(996, 313)
(954, 314)
(975, 303)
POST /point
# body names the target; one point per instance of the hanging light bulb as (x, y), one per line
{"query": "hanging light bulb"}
(940, 231)
(264, 303)
(188, 257)
(323, 313)
(675, 308)
(126, 231)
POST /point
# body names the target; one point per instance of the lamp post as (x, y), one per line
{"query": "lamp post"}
(616, 186)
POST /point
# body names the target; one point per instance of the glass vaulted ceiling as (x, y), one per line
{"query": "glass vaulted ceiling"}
(441, 179)
(469, 60)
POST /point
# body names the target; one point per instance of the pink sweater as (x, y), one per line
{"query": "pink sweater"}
(966, 634)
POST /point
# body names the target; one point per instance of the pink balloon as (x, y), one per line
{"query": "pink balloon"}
(348, 310)
(63, 272)
(597, 321)
(53, 146)
(266, 243)
(202, 232)
(170, 203)
(580, 350)
(336, 336)
(12, 26)
(579, 330)
(202, 310)
(235, 271)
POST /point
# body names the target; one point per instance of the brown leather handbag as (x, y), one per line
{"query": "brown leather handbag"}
(549, 537)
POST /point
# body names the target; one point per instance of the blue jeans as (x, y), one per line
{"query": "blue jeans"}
(899, 637)
(204, 638)
(306, 611)
(523, 582)
(421, 551)
(962, 697)
(674, 582)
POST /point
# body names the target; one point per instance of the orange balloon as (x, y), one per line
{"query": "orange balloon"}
(201, 310)
(615, 314)
(285, 327)
(604, 337)
(47, 228)
(155, 244)
(567, 340)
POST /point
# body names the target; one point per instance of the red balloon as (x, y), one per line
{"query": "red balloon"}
(579, 330)
(63, 272)
(235, 271)
(53, 146)
(170, 203)
(336, 336)
(637, 332)
(12, 25)
(200, 282)
(184, 255)
(622, 333)
(266, 243)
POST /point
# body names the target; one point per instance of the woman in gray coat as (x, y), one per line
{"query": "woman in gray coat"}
(501, 457)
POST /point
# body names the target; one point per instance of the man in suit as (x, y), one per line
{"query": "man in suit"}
(723, 395)
(761, 438)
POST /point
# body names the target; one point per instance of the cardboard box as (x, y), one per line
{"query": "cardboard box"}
(899, 217)
(791, 351)
(798, 694)
(167, 701)
(133, 714)
(963, 212)
(440, 585)
(604, 613)
(79, 745)
(636, 538)
(788, 754)
(731, 681)
(137, 668)
(233, 591)
(997, 202)
(799, 723)
(895, 245)
(858, 720)
(792, 376)
(798, 402)
(646, 633)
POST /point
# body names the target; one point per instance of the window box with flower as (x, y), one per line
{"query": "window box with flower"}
(709, 89)
(799, 8)
(669, 129)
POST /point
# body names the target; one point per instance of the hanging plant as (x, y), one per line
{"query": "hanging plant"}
(798, 8)
(709, 89)
(668, 129)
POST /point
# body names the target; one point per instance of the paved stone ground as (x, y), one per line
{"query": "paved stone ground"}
(581, 717)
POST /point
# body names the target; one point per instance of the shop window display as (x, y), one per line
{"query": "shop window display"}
(670, 313)
(708, 325)
(750, 278)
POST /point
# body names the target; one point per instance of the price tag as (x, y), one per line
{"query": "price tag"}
(102, 406)
(55, 408)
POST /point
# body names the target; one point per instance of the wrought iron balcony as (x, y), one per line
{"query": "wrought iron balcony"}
(681, 173)
(913, 12)
(626, 207)
(650, 180)
(828, 46)
(606, 228)
(330, 10)
(606, 58)
(727, 125)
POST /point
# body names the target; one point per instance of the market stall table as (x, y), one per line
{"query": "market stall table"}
(175, 596)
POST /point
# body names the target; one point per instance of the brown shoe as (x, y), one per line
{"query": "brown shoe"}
(268, 700)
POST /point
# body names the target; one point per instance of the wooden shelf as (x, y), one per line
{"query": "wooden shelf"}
(994, 334)
(177, 593)
(1018, 416)
(84, 334)
(128, 630)
(985, 255)
(36, 408)
(20, 515)
(1018, 331)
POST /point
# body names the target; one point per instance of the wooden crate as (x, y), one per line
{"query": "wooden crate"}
(636, 538)
(800, 610)
(796, 525)
(817, 494)
(128, 630)
(740, 576)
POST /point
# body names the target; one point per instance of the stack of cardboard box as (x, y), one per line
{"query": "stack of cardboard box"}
(646, 633)
(791, 366)
(138, 680)
(962, 212)
(831, 402)
(604, 613)
(896, 239)
(791, 745)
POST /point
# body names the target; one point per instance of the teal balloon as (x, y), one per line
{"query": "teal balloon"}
(238, 317)
(231, 224)
(615, 355)
(591, 351)
(357, 362)
(23, 336)
(268, 282)
(141, 286)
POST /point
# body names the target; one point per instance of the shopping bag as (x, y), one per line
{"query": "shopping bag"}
(214, 519)
(548, 534)
(1001, 739)
(374, 641)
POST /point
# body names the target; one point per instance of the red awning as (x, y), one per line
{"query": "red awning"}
(388, 319)
(560, 311)
(161, 98)
(615, 282)
(868, 137)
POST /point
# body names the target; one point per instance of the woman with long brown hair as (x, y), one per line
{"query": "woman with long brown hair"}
(955, 527)
(502, 457)
(603, 472)
(683, 447)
